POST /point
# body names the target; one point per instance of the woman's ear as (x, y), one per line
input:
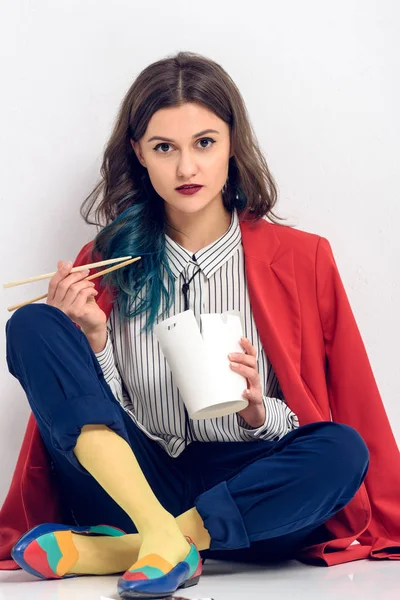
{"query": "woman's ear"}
(137, 150)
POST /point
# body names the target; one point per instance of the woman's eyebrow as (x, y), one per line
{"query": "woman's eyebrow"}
(157, 137)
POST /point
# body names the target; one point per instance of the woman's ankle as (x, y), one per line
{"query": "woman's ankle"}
(166, 525)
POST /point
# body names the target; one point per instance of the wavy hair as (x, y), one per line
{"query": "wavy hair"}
(131, 214)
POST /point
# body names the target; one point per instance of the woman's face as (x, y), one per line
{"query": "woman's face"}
(178, 155)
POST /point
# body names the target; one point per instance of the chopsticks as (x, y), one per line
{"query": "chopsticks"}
(74, 270)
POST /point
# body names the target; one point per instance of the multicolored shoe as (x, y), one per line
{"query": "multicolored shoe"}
(48, 550)
(154, 577)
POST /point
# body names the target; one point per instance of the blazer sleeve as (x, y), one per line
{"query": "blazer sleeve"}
(354, 397)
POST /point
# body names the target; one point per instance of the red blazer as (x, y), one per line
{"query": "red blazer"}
(309, 334)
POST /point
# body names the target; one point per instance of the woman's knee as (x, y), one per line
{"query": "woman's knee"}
(344, 450)
(29, 320)
(25, 319)
(18, 334)
(30, 332)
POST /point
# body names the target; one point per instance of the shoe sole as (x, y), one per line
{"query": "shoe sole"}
(158, 595)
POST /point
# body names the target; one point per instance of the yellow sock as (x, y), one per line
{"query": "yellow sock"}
(111, 461)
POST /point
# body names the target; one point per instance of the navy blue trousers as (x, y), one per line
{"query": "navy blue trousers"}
(260, 501)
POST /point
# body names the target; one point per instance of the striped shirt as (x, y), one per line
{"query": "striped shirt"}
(137, 372)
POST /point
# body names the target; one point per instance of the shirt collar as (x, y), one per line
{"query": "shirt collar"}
(210, 258)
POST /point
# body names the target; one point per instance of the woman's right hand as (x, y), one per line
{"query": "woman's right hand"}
(76, 298)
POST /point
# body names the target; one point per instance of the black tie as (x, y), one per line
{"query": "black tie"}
(185, 287)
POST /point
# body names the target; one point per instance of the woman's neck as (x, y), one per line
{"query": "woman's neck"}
(200, 229)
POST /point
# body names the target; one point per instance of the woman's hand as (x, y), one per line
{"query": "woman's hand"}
(246, 365)
(75, 297)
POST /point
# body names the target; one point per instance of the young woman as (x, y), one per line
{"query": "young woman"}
(148, 489)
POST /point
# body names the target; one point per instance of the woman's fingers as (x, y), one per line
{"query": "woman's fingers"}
(67, 280)
(250, 373)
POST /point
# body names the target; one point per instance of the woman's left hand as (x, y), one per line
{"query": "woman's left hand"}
(246, 365)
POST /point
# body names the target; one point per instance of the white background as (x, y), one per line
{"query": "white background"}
(321, 84)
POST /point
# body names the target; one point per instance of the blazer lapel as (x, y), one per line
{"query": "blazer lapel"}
(274, 297)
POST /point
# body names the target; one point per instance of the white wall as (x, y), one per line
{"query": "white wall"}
(320, 81)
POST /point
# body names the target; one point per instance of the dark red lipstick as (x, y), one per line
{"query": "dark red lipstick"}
(188, 189)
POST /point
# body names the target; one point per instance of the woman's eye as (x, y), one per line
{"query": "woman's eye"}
(164, 144)
(207, 140)
(159, 146)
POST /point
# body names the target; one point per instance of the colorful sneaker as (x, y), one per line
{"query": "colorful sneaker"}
(48, 550)
(154, 577)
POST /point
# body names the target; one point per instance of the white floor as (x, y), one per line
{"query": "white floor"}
(366, 580)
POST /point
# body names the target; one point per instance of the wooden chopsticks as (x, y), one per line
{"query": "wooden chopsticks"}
(74, 270)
